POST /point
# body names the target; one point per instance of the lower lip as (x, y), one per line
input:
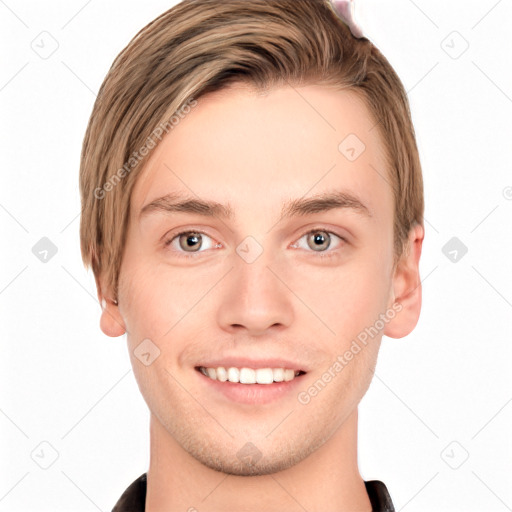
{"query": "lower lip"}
(253, 393)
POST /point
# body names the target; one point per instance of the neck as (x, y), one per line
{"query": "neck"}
(330, 475)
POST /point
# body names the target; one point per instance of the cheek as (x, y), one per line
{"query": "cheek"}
(365, 289)
(145, 298)
(158, 298)
(346, 298)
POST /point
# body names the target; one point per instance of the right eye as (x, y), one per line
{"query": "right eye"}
(190, 239)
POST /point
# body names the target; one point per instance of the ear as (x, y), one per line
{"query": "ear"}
(406, 289)
(111, 321)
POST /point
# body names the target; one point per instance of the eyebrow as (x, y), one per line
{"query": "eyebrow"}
(176, 203)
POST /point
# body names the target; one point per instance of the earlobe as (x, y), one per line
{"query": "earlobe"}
(407, 288)
(111, 321)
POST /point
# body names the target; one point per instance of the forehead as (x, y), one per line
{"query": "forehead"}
(257, 151)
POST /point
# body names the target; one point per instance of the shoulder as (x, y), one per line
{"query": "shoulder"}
(133, 498)
(379, 496)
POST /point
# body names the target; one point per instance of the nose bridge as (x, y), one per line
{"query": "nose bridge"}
(254, 281)
(255, 298)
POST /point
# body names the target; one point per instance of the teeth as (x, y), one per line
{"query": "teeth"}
(234, 375)
(249, 375)
(222, 374)
(278, 375)
(289, 375)
(264, 376)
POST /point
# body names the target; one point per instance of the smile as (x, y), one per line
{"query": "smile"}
(250, 375)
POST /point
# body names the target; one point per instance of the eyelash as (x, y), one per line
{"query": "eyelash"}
(321, 254)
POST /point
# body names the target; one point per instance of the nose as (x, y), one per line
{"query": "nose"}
(255, 298)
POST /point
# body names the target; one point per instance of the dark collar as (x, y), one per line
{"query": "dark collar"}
(133, 498)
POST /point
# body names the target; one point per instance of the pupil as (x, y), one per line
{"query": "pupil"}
(319, 239)
(195, 240)
(191, 240)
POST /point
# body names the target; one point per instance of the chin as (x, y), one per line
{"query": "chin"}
(249, 460)
(242, 468)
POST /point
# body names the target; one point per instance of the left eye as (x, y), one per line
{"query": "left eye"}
(319, 240)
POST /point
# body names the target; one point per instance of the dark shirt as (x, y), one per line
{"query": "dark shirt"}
(134, 497)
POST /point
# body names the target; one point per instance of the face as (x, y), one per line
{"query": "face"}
(281, 282)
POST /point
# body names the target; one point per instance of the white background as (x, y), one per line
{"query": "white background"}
(439, 395)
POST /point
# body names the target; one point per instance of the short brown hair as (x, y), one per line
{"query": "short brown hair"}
(201, 46)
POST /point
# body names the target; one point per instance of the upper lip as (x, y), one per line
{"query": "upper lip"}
(241, 362)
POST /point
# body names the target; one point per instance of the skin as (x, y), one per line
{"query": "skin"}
(255, 151)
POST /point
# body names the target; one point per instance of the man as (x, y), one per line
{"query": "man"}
(253, 213)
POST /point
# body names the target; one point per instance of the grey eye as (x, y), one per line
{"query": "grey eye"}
(190, 241)
(318, 240)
